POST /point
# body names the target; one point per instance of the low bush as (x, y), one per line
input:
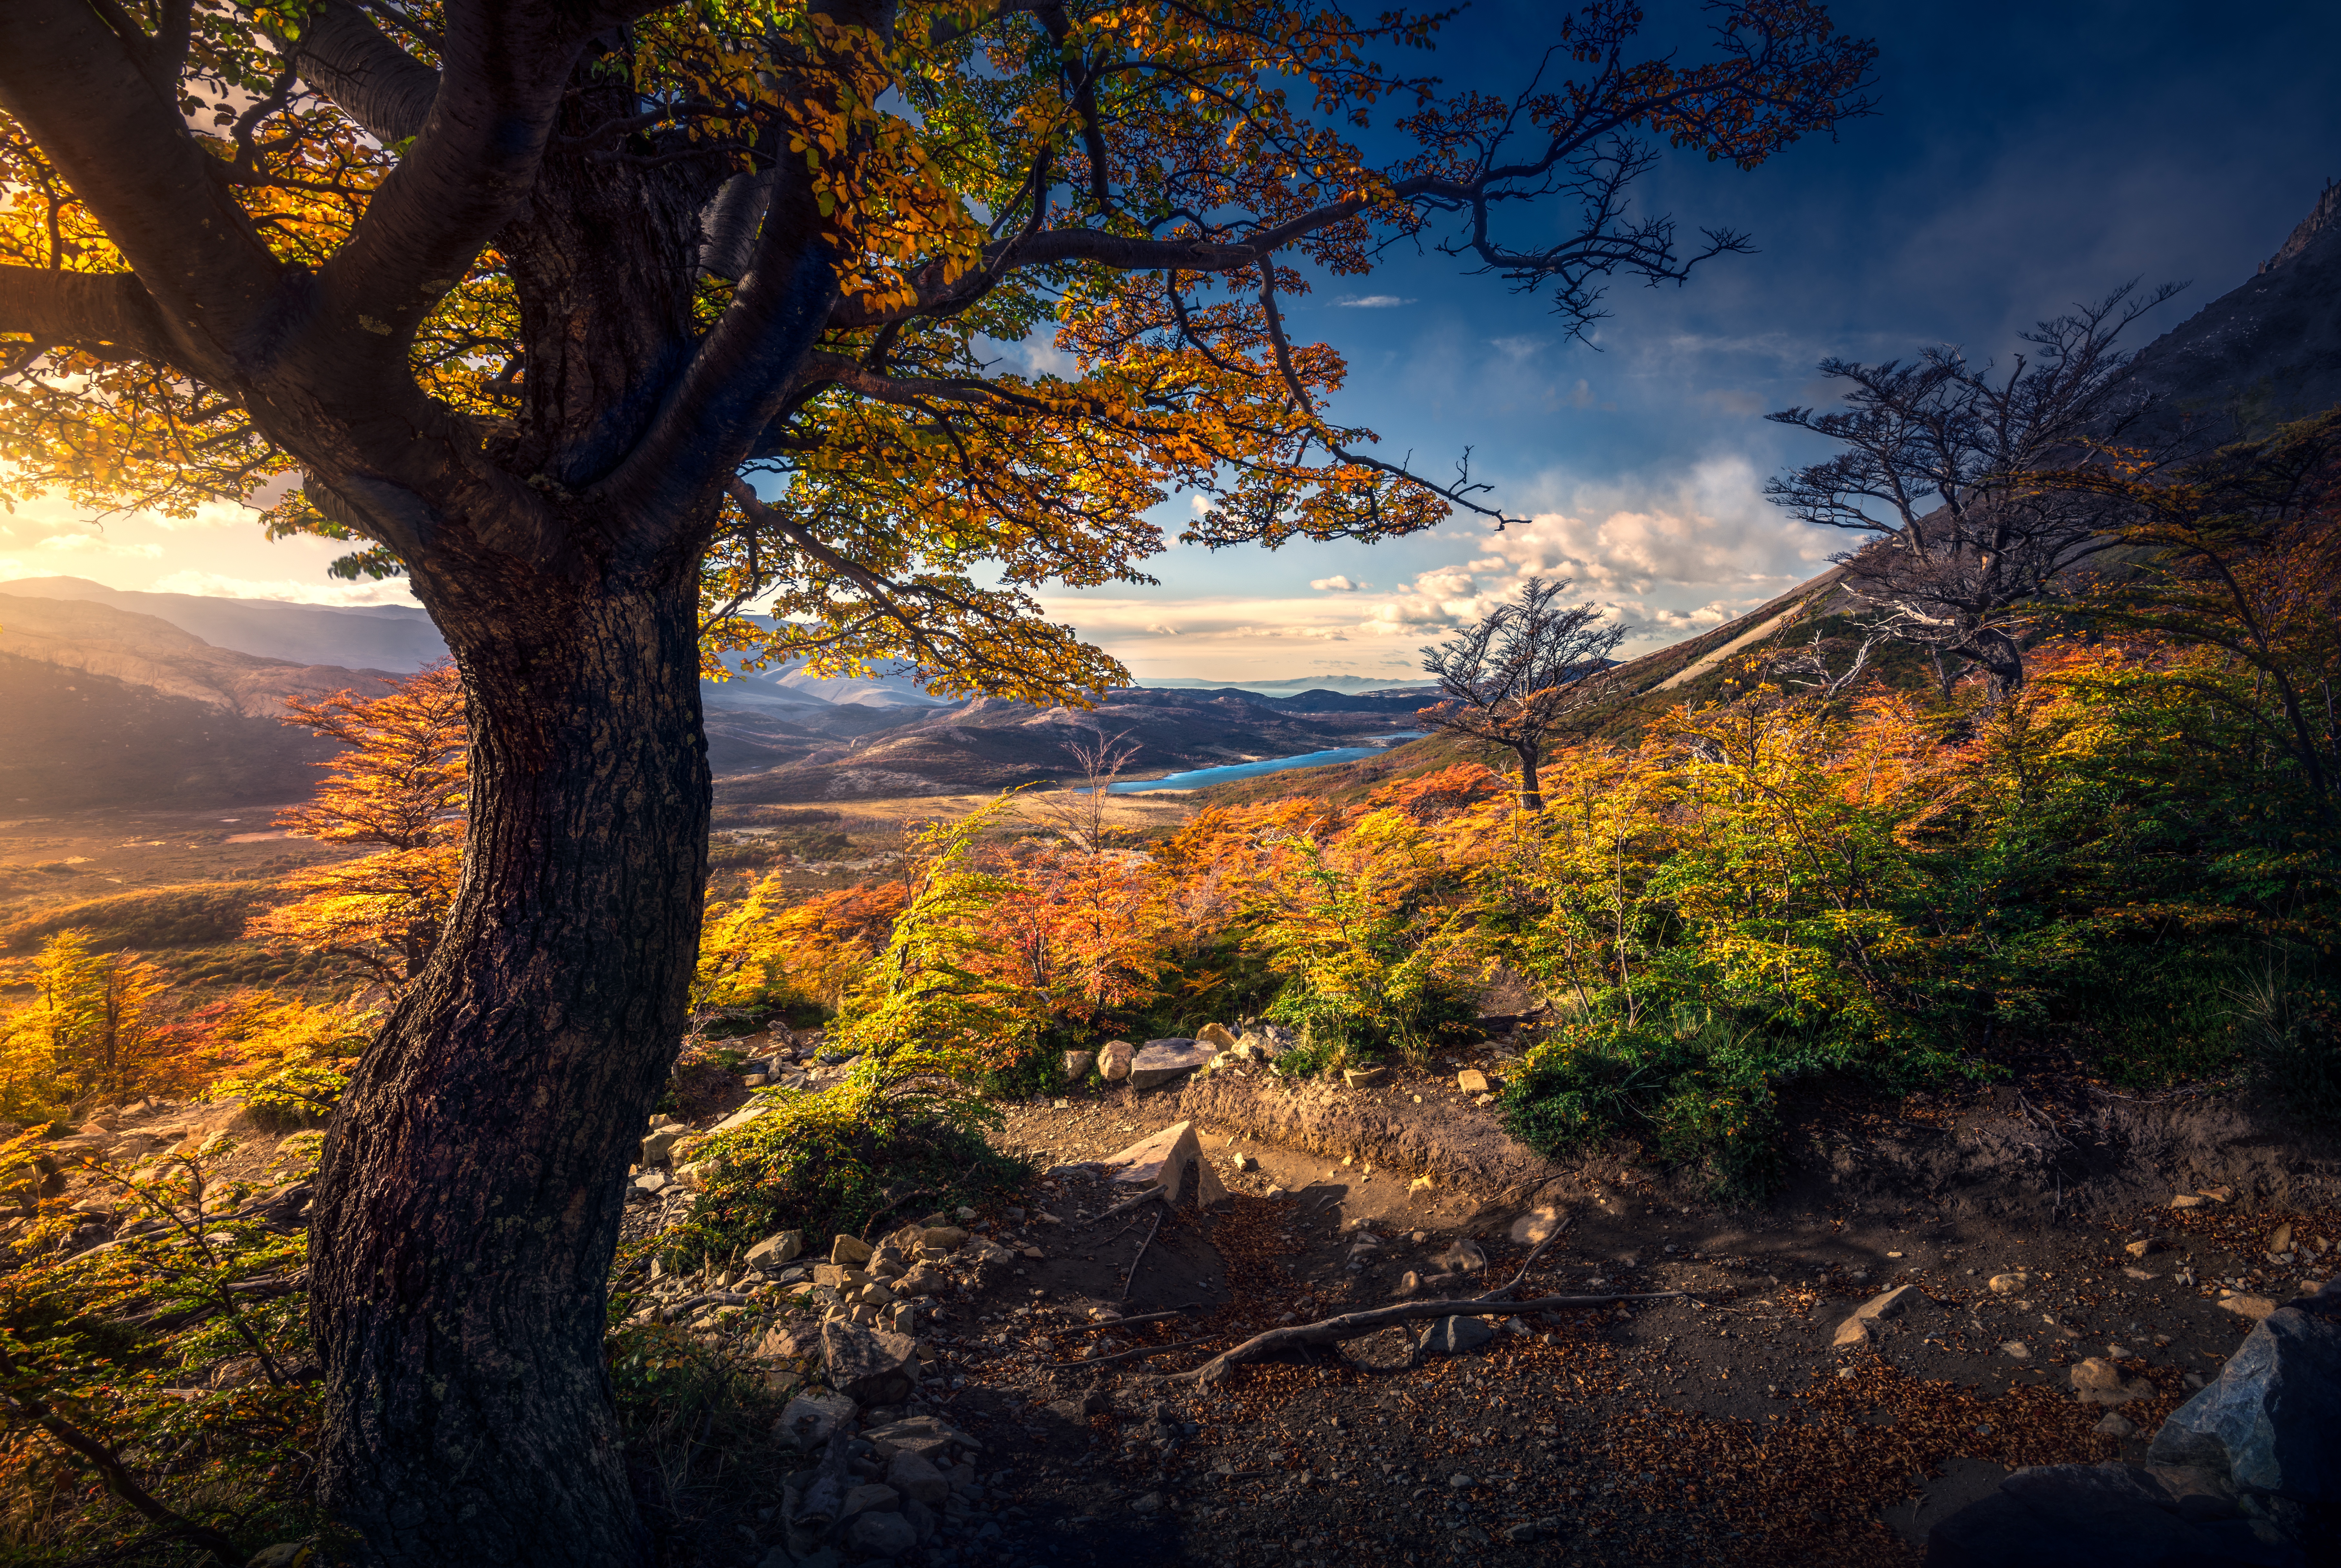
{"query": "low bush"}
(187, 915)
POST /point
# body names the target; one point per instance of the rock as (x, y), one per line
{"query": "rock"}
(2218, 1194)
(1534, 1226)
(775, 1252)
(1077, 1064)
(1162, 1061)
(921, 1518)
(2016, 1350)
(1363, 1077)
(1113, 1060)
(659, 1146)
(2142, 1246)
(807, 1420)
(2098, 1380)
(925, 1280)
(916, 1477)
(945, 1238)
(1151, 1502)
(1463, 1258)
(850, 1251)
(1420, 1184)
(2253, 1307)
(1242, 1161)
(869, 1496)
(2066, 1513)
(884, 1536)
(2280, 1240)
(1216, 1036)
(1523, 1534)
(2188, 1201)
(1161, 1161)
(929, 1437)
(283, 1554)
(2008, 1285)
(2113, 1424)
(2266, 1423)
(1858, 1327)
(789, 1342)
(1471, 1081)
(1455, 1335)
(870, 1366)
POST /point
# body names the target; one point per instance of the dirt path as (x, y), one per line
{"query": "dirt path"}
(1720, 1427)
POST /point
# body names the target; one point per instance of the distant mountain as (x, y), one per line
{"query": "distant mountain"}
(399, 638)
(100, 706)
(1301, 682)
(2261, 354)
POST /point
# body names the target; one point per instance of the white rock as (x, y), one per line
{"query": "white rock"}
(1162, 1061)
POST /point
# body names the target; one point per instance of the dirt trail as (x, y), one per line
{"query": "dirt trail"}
(1723, 1427)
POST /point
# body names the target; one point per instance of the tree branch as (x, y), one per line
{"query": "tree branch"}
(106, 315)
(140, 173)
(472, 165)
(343, 55)
(744, 366)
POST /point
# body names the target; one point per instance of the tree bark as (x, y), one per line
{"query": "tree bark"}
(2002, 658)
(468, 1204)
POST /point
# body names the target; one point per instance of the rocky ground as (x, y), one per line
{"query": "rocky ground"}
(2066, 1293)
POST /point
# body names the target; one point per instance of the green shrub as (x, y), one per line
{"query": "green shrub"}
(2291, 1035)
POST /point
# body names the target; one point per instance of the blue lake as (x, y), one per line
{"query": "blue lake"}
(1195, 778)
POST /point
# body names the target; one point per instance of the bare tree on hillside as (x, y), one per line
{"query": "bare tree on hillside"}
(1528, 673)
(1078, 809)
(1934, 468)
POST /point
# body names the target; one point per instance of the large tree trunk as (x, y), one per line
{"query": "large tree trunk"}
(473, 1183)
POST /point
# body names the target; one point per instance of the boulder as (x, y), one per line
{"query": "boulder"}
(869, 1366)
(1161, 1161)
(1113, 1060)
(775, 1252)
(929, 1437)
(1162, 1061)
(850, 1252)
(915, 1477)
(790, 1341)
(1216, 1036)
(1862, 1323)
(659, 1146)
(807, 1420)
(2267, 1422)
(1077, 1064)
(1471, 1081)
(1363, 1077)
(1454, 1335)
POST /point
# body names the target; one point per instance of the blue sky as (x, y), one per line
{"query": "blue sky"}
(2022, 158)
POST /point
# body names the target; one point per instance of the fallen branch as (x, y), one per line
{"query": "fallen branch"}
(1356, 1325)
(1131, 1278)
(1140, 1354)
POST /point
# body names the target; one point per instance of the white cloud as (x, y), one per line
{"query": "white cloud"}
(1372, 301)
(1519, 347)
(97, 545)
(1337, 585)
(215, 584)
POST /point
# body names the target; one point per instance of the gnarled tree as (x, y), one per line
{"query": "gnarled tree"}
(1937, 466)
(1526, 672)
(603, 321)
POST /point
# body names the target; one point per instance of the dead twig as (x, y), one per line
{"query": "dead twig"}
(1131, 1278)
(1550, 1236)
(1355, 1325)
(1142, 1318)
(1140, 1354)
